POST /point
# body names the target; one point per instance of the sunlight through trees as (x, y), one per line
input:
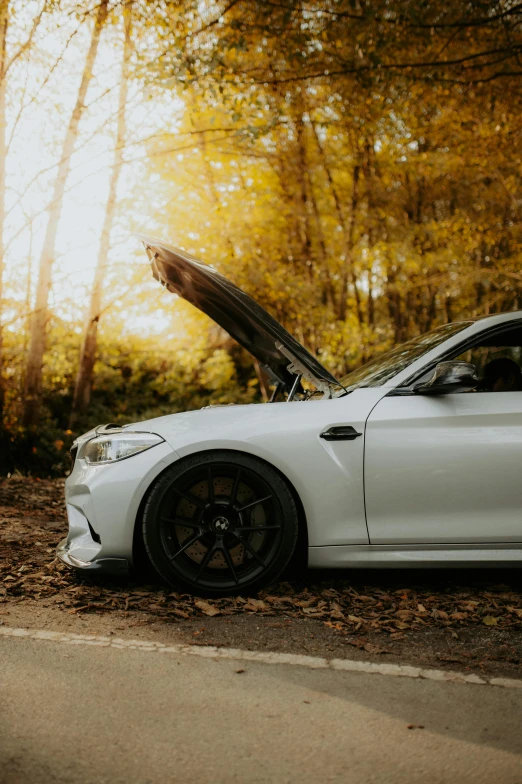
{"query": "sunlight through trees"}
(354, 166)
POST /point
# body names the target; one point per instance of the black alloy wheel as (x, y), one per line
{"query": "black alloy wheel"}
(220, 523)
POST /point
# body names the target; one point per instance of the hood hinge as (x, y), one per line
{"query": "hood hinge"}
(300, 370)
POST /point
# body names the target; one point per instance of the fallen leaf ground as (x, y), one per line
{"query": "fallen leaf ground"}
(465, 619)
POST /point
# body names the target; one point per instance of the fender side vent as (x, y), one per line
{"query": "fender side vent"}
(94, 535)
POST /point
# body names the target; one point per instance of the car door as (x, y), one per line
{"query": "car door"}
(447, 469)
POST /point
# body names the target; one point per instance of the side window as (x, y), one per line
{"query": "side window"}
(498, 359)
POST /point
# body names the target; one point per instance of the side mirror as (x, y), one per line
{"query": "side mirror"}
(448, 378)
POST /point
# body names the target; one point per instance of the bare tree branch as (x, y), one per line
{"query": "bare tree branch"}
(28, 41)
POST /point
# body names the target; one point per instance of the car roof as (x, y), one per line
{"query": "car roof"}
(499, 317)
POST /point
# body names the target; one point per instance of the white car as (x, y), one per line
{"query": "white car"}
(413, 460)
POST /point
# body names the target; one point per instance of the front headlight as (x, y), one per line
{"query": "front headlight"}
(117, 446)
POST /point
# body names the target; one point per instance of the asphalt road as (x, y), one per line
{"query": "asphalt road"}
(93, 714)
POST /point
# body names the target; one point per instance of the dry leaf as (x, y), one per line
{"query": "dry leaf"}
(34, 511)
(371, 648)
(206, 608)
(256, 604)
(179, 613)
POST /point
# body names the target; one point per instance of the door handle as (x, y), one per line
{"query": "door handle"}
(340, 433)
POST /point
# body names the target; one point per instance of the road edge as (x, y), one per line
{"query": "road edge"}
(261, 657)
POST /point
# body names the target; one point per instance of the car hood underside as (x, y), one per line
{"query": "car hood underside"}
(278, 352)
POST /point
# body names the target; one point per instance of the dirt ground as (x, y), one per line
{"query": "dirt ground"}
(466, 620)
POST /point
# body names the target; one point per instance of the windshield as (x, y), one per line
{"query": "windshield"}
(378, 372)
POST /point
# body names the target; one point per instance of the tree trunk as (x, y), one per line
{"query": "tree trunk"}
(288, 199)
(4, 16)
(328, 292)
(28, 286)
(33, 375)
(212, 190)
(305, 234)
(82, 389)
(369, 171)
(348, 225)
(263, 383)
(349, 271)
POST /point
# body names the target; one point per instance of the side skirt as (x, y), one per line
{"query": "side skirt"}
(413, 556)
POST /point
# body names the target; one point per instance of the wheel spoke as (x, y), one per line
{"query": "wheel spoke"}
(235, 488)
(190, 497)
(228, 559)
(254, 503)
(206, 560)
(187, 522)
(210, 487)
(250, 549)
(187, 544)
(216, 549)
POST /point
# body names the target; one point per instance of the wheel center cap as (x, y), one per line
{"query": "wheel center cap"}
(220, 524)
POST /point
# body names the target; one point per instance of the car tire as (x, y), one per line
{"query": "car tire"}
(220, 523)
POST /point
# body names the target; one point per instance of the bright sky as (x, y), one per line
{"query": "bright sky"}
(36, 146)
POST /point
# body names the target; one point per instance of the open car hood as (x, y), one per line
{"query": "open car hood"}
(280, 354)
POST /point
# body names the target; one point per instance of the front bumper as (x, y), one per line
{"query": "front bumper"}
(102, 505)
(115, 566)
